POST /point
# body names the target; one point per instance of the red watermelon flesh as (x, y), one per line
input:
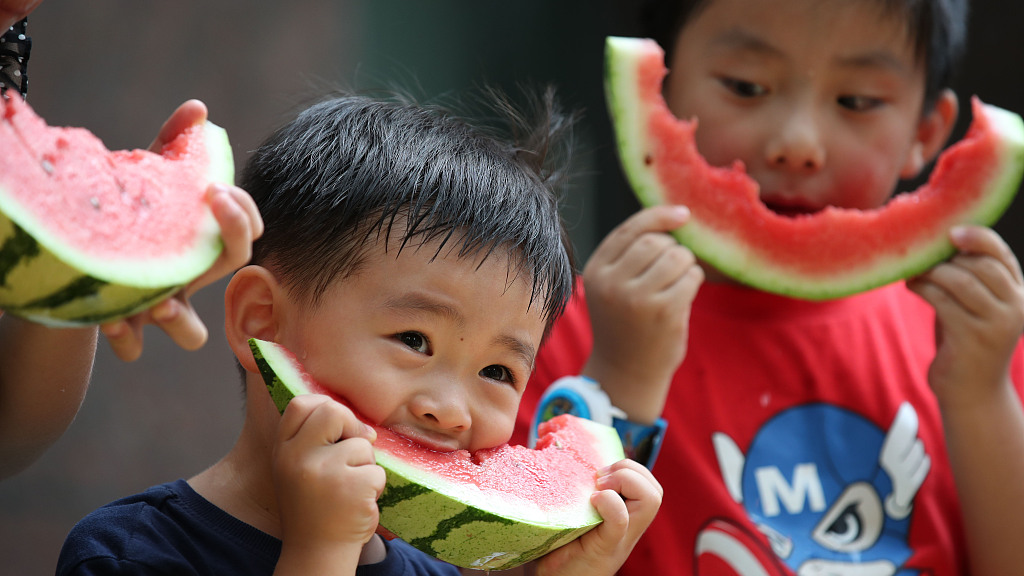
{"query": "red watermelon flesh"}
(99, 198)
(89, 235)
(828, 254)
(494, 508)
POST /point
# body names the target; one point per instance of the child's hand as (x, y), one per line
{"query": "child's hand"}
(628, 500)
(327, 484)
(640, 284)
(240, 224)
(978, 296)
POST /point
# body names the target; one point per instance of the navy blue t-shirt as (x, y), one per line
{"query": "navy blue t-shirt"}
(170, 529)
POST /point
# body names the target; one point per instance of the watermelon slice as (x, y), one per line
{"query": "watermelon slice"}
(829, 254)
(88, 235)
(493, 509)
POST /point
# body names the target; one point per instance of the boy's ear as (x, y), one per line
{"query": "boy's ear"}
(249, 303)
(932, 133)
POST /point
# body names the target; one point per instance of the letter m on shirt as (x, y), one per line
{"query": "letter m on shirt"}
(777, 492)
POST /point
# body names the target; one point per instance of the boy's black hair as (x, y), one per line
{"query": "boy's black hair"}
(937, 27)
(354, 169)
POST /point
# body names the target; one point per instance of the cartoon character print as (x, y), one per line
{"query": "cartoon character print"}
(830, 491)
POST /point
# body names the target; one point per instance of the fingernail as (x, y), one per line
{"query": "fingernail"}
(114, 329)
(682, 212)
(958, 233)
(163, 311)
(218, 188)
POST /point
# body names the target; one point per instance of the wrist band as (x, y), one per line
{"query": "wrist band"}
(583, 397)
(641, 442)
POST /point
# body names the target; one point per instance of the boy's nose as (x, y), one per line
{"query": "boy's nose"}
(442, 410)
(798, 144)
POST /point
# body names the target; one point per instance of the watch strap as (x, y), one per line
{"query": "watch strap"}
(641, 442)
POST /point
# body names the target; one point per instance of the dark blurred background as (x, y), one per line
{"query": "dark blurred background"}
(120, 67)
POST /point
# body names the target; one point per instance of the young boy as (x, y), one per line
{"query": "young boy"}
(876, 434)
(413, 263)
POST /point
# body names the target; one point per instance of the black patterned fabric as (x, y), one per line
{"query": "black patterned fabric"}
(15, 46)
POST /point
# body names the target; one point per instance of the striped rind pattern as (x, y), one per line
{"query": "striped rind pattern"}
(38, 286)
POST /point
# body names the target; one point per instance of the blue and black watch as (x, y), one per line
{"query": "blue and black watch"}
(583, 397)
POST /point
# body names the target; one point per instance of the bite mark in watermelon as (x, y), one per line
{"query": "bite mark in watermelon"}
(88, 235)
(492, 509)
(829, 254)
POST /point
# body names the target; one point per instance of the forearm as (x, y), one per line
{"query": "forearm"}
(44, 374)
(641, 396)
(986, 448)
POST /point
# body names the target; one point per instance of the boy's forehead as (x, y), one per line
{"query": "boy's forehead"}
(758, 25)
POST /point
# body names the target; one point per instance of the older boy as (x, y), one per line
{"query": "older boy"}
(413, 263)
(877, 434)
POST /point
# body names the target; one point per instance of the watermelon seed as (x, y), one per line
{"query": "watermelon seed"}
(48, 166)
(95, 202)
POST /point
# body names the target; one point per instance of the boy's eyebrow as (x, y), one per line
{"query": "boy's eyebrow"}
(422, 303)
(879, 59)
(418, 302)
(745, 40)
(740, 39)
(520, 348)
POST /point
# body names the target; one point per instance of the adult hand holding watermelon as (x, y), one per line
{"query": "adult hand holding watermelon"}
(240, 224)
(91, 236)
(58, 362)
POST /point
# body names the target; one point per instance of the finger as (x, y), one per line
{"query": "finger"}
(655, 219)
(240, 223)
(646, 253)
(615, 518)
(248, 204)
(990, 274)
(980, 285)
(982, 240)
(671, 268)
(631, 479)
(188, 114)
(317, 418)
(946, 305)
(176, 317)
(125, 339)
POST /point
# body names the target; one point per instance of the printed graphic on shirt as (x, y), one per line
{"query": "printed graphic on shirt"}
(830, 491)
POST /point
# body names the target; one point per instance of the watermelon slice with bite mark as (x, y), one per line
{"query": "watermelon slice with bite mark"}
(88, 235)
(829, 254)
(493, 509)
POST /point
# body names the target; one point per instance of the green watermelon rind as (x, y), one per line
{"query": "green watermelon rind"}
(734, 258)
(146, 272)
(469, 529)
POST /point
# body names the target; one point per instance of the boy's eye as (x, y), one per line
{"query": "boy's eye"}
(497, 372)
(416, 341)
(859, 103)
(743, 88)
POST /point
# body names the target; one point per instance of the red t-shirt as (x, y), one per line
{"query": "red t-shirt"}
(792, 429)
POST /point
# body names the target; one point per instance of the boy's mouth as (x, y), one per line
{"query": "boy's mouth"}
(790, 209)
(431, 440)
